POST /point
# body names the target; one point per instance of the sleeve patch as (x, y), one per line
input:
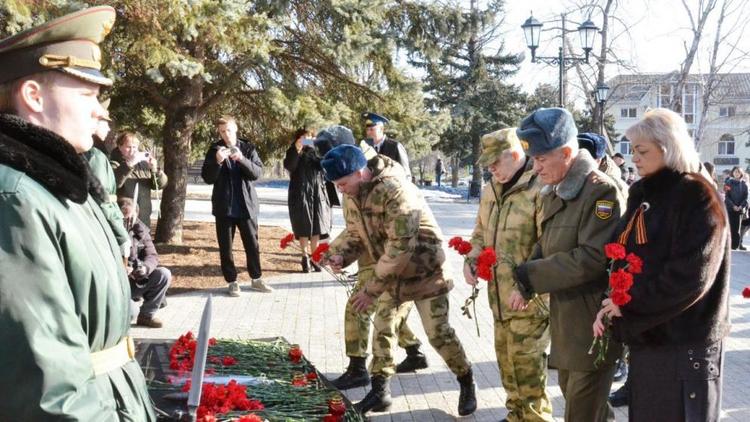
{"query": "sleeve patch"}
(604, 209)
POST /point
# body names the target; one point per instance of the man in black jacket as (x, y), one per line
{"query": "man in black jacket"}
(148, 281)
(232, 165)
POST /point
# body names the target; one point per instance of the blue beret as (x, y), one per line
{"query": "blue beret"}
(546, 129)
(593, 143)
(372, 119)
(342, 161)
(332, 137)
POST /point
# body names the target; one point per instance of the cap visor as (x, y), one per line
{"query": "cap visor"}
(88, 75)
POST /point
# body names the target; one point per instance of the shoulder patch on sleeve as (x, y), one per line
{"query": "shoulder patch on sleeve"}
(604, 209)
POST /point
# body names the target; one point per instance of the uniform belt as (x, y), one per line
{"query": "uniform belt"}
(114, 357)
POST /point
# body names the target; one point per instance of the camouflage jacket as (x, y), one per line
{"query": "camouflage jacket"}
(390, 227)
(511, 223)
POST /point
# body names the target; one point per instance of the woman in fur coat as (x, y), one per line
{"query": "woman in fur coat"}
(677, 317)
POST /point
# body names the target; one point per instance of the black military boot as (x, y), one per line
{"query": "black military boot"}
(355, 376)
(415, 359)
(467, 398)
(378, 399)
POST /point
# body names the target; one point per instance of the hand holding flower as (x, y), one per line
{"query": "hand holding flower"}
(471, 280)
(335, 262)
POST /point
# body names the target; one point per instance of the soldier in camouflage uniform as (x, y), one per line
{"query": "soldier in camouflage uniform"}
(357, 326)
(391, 230)
(509, 220)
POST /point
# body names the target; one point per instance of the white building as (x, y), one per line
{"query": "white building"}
(726, 137)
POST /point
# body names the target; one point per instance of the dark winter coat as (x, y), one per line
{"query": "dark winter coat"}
(65, 293)
(308, 201)
(142, 251)
(219, 175)
(141, 175)
(681, 297)
(735, 194)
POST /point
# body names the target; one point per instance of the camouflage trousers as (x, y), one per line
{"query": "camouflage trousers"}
(520, 345)
(357, 325)
(434, 315)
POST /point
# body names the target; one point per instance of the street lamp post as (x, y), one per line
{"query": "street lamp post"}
(602, 90)
(532, 30)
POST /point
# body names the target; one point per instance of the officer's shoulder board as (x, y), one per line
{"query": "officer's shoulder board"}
(603, 209)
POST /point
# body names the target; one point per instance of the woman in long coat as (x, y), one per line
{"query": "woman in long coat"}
(735, 199)
(309, 204)
(677, 316)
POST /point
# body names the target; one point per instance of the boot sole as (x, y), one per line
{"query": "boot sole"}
(350, 386)
(407, 370)
(468, 413)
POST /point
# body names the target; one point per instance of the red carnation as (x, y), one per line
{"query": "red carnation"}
(614, 251)
(331, 418)
(336, 407)
(464, 247)
(454, 242)
(484, 272)
(317, 254)
(295, 354)
(620, 297)
(286, 240)
(311, 376)
(635, 263)
(620, 280)
(746, 292)
(229, 361)
(299, 382)
(487, 257)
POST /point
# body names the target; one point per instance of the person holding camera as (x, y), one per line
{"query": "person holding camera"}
(232, 165)
(148, 281)
(136, 173)
(308, 200)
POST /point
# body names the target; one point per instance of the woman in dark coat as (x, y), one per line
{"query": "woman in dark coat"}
(735, 199)
(677, 317)
(309, 205)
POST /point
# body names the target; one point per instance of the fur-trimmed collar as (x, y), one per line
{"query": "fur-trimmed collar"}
(574, 180)
(48, 159)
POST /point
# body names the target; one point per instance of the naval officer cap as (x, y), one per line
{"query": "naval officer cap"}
(68, 44)
(372, 119)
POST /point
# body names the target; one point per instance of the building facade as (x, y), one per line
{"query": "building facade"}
(721, 129)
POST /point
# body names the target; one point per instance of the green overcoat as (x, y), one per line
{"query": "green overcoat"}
(63, 289)
(580, 215)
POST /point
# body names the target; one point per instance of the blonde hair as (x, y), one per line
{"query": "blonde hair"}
(669, 132)
(225, 120)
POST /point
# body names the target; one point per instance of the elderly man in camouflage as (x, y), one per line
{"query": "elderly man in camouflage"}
(581, 208)
(389, 224)
(509, 220)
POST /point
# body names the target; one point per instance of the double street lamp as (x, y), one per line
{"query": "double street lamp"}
(532, 30)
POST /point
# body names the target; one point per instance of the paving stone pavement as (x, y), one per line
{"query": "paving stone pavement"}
(308, 309)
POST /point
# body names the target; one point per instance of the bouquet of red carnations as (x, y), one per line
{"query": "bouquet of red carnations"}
(485, 262)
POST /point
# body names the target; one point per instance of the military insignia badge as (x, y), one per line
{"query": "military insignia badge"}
(604, 209)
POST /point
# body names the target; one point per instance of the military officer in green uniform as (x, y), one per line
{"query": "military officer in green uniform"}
(64, 311)
(101, 168)
(581, 208)
(390, 228)
(509, 221)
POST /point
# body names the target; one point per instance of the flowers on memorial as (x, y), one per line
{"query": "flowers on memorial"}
(223, 398)
(620, 282)
(746, 292)
(295, 353)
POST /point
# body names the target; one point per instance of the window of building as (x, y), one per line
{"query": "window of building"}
(727, 111)
(624, 147)
(689, 97)
(664, 99)
(628, 113)
(726, 145)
